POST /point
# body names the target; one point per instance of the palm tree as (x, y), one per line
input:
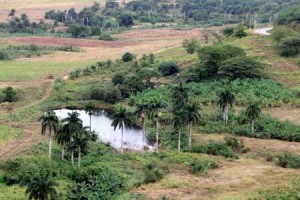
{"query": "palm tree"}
(154, 107)
(193, 117)
(226, 99)
(89, 109)
(179, 121)
(80, 142)
(121, 118)
(252, 112)
(72, 124)
(180, 97)
(142, 110)
(62, 137)
(42, 187)
(49, 121)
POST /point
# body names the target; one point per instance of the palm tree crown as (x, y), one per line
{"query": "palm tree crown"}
(42, 187)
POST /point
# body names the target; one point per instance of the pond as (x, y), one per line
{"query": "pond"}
(101, 123)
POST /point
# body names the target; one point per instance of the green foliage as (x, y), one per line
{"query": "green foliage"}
(75, 74)
(215, 148)
(241, 67)
(118, 79)
(288, 160)
(168, 68)
(79, 31)
(240, 32)
(152, 173)
(228, 31)
(125, 20)
(8, 94)
(290, 46)
(289, 192)
(104, 186)
(213, 56)
(127, 57)
(190, 45)
(199, 167)
(105, 37)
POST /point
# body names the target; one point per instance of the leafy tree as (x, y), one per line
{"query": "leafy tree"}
(212, 57)
(240, 32)
(49, 121)
(127, 57)
(168, 68)
(42, 187)
(12, 13)
(193, 117)
(252, 112)
(241, 67)
(80, 142)
(121, 119)
(125, 20)
(226, 99)
(179, 97)
(190, 45)
(72, 125)
(79, 31)
(118, 79)
(89, 108)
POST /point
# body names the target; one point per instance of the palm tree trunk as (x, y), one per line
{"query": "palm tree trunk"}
(179, 140)
(50, 145)
(143, 138)
(90, 122)
(252, 127)
(72, 153)
(157, 135)
(62, 151)
(226, 114)
(190, 136)
(122, 151)
(79, 156)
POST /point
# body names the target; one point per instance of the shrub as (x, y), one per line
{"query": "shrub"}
(4, 55)
(75, 74)
(168, 68)
(240, 32)
(228, 31)
(190, 45)
(215, 148)
(105, 37)
(69, 48)
(288, 160)
(152, 173)
(118, 79)
(201, 167)
(235, 143)
(9, 95)
(127, 57)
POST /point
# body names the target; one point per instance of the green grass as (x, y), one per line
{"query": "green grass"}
(31, 70)
(7, 133)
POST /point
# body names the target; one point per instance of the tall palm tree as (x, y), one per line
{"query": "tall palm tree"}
(62, 137)
(80, 142)
(42, 187)
(154, 113)
(252, 112)
(49, 121)
(226, 99)
(72, 124)
(121, 119)
(89, 109)
(179, 120)
(193, 117)
(179, 97)
(142, 111)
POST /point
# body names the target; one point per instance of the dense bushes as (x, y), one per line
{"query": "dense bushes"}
(152, 173)
(127, 57)
(199, 167)
(288, 160)
(105, 37)
(8, 94)
(215, 148)
(168, 68)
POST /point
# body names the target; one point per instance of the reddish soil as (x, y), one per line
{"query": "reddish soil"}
(52, 41)
(128, 38)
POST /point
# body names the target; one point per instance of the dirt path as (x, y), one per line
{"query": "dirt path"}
(263, 31)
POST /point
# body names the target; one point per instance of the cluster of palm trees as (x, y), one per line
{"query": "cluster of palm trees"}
(69, 133)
